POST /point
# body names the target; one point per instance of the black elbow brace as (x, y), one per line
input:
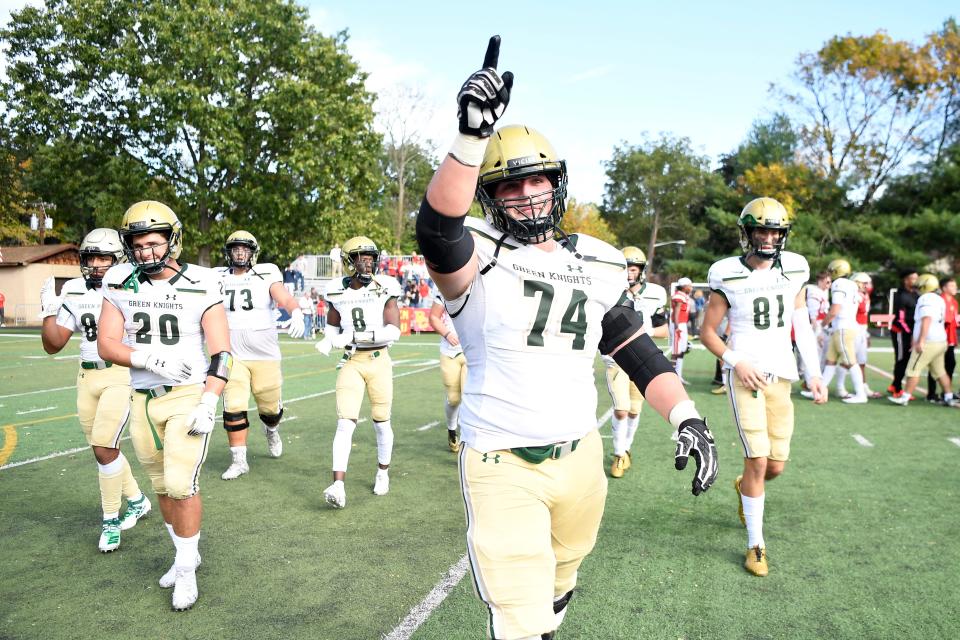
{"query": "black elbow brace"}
(444, 243)
(220, 365)
(658, 320)
(640, 358)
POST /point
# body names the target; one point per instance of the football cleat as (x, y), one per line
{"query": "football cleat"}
(861, 399)
(756, 561)
(627, 461)
(617, 469)
(335, 495)
(109, 535)
(235, 470)
(381, 485)
(185, 591)
(274, 441)
(901, 399)
(453, 440)
(736, 487)
(169, 579)
(722, 390)
(806, 394)
(135, 510)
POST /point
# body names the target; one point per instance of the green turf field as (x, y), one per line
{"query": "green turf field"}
(863, 540)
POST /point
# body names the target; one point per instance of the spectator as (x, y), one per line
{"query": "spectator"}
(424, 291)
(904, 306)
(948, 291)
(321, 313)
(297, 267)
(3, 301)
(336, 266)
(699, 302)
(288, 279)
(392, 267)
(308, 310)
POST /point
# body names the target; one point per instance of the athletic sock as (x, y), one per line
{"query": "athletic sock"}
(111, 485)
(857, 378)
(239, 454)
(619, 428)
(187, 550)
(841, 380)
(130, 487)
(384, 441)
(342, 441)
(452, 413)
(632, 424)
(753, 514)
(678, 365)
(829, 371)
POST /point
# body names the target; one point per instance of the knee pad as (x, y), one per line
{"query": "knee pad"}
(239, 418)
(271, 420)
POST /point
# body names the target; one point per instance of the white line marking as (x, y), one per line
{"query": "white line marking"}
(30, 393)
(47, 457)
(863, 442)
(23, 413)
(420, 612)
(889, 376)
(955, 441)
(287, 419)
(428, 425)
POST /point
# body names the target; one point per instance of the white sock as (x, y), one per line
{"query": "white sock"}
(239, 454)
(678, 365)
(342, 441)
(111, 516)
(187, 550)
(384, 441)
(829, 370)
(619, 428)
(947, 396)
(857, 376)
(169, 530)
(841, 379)
(632, 424)
(452, 412)
(753, 514)
(136, 498)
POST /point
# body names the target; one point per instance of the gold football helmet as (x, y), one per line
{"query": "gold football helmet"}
(99, 242)
(516, 152)
(764, 213)
(150, 216)
(352, 250)
(839, 268)
(635, 258)
(927, 283)
(241, 238)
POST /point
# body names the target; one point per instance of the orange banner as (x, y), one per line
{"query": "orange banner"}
(414, 320)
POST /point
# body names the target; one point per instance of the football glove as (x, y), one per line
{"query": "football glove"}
(166, 366)
(323, 346)
(484, 96)
(340, 340)
(694, 438)
(296, 328)
(202, 417)
(49, 300)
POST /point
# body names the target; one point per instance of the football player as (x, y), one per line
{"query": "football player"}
(363, 319)
(865, 286)
(929, 343)
(842, 322)
(103, 390)
(818, 301)
(649, 300)
(251, 291)
(159, 315)
(680, 304)
(453, 368)
(531, 306)
(762, 294)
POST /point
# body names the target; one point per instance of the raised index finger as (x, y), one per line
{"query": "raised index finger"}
(493, 53)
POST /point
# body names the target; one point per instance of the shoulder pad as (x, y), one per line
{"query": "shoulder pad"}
(793, 263)
(117, 274)
(597, 251)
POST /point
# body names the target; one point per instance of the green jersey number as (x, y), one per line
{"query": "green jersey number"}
(359, 324)
(761, 312)
(573, 321)
(89, 325)
(247, 295)
(168, 324)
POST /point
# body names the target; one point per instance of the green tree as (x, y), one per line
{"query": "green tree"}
(243, 110)
(769, 141)
(585, 218)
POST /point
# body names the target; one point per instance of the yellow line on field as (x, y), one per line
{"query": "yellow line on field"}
(9, 443)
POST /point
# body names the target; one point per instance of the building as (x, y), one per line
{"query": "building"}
(22, 272)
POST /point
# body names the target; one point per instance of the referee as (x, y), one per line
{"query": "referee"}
(904, 304)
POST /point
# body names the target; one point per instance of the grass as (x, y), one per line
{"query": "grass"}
(862, 541)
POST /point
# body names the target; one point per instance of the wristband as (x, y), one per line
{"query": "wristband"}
(469, 150)
(683, 411)
(138, 359)
(731, 357)
(210, 399)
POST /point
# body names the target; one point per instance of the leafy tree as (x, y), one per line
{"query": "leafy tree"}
(244, 111)
(585, 218)
(768, 142)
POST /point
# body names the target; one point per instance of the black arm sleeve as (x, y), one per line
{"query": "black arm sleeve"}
(445, 244)
(640, 358)
(658, 319)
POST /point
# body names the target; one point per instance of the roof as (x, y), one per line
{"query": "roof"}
(19, 256)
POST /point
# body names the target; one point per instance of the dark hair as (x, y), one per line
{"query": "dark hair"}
(907, 272)
(822, 275)
(945, 279)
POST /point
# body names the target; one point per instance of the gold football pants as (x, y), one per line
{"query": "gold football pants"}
(370, 370)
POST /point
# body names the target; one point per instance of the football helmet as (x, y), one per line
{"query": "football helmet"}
(764, 213)
(241, 238)
(864, 280)
(635, 258)
(839, 268)
(516, 152)
(99, 242)
(151, 216)
(352, 250)
(927, 283)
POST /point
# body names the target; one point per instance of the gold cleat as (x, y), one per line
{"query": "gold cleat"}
(617, 468)
(756, 562)
(719, 391)
(736, 487)
(627, 461)
(453, 441)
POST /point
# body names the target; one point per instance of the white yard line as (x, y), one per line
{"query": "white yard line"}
(49, 456)
(889, 376)
(863, 442)
(955, 441)
(428, 425)
(30, 393)
(23, 413)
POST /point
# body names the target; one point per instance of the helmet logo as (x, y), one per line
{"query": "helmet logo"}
(518, 162)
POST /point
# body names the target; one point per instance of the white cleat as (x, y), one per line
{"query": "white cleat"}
(274, 441)
(109, 536)
(806, 394)
(168, 579)
(381, 485)
(336, 495)
(185, 591)
(235, 470)
(903, 399)
(861, 399)
(135, 511)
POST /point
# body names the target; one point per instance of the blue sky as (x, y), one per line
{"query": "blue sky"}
(590, 75)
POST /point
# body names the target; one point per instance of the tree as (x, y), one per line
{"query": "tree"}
(769, 141)
(585, 218)
(945, 48)
(244, 111)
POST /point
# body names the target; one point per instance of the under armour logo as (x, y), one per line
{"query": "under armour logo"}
(578, 268)
(495, 458)
(171, 296)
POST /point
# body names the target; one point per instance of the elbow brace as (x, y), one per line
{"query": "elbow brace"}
(658, 319)
(220, 365)
(806, 345)
(445, 244)
(639, 358)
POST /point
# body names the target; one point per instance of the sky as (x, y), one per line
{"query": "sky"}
(594, 75)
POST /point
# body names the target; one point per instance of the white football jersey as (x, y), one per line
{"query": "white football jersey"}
(529, 325)
(761, 309)
(80, 313)
(362, 309)
(931, 305)
(846, 293)
(163, 316)
(817, 303)
(250, 311)
(447, 349)
(649, 300)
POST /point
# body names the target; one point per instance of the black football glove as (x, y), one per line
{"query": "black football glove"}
(484, 96)
(694, 438)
